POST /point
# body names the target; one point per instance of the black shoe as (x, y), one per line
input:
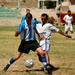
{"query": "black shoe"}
(49, 69)
(52, 67)
(5, 68)
(46, 71)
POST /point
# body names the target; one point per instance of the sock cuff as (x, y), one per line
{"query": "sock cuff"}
(12, 60)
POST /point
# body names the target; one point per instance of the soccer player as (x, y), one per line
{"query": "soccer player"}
(68, 23)
(27, 32)
(45, 29)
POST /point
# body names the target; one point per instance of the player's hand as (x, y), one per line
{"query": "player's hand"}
(16, 33)
(68, 36)
(41, 37)
(66, 23)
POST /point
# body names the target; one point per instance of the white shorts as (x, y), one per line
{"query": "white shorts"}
(67, 27)
(45, 44)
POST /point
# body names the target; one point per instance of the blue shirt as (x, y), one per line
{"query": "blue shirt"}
(23, 18)
(26, 31)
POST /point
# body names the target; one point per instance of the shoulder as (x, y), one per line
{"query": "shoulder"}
(24, 16)
(39, 24)
(22, 24)
(35, 21)
(65, 15)
(48, 24)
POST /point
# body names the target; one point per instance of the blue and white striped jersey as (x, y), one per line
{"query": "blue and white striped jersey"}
(27, 32)
(23, 18)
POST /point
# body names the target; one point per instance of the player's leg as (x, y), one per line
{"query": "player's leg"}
(43, 57)
(47, 68)
(71, 30)
(66, 30)
(46, 48)
(12, 60)
(40, 51)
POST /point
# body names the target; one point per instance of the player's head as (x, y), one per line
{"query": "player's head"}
(69, 12)
(29, 18)
(27, 11)
(44, 18)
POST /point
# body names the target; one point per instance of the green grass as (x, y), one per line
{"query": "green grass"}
(62, 54)
(8, 28)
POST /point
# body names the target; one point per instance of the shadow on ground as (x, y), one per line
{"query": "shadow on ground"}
(30, 70)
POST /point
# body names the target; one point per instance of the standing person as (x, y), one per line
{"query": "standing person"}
(35, 21)
(45, 29)
(24, 17)
(28, 41)
(68, 23)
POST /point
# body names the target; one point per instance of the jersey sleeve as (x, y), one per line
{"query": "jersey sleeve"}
(53, 28)
(23, 18)
(39, 29)
(21, 27)
(72, 18)
(64, 18)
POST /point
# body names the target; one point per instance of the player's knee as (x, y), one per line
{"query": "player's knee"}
(42, 53)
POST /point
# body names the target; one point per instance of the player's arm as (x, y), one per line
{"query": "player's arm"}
(54, 29)
(62, 33)
(72, 21)
(16, 33)
(39, 35)
(19, 30)
(65, 20)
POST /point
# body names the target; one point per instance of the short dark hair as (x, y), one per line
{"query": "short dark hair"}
(69, 11)
(27, 9)
(29, 15)
(44, 14)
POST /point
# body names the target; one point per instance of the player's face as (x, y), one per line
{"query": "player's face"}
(44, 19)
(28, 11)
(69, 13)
(29, 21)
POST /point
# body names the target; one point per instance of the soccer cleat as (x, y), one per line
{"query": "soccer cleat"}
(5, 68)
(52, 67)
(46, 71)
(48, 68)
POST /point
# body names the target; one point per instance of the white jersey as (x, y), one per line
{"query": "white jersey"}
(46, 29)
(68, 19)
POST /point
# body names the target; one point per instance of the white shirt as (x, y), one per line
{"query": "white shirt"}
(46, 29)
(68, 19)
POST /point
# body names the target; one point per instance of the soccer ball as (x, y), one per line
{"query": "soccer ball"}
(29, 63)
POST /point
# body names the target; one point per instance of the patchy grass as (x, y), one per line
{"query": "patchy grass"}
(62, 54)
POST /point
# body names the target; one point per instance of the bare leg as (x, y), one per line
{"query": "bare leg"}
(72, 35)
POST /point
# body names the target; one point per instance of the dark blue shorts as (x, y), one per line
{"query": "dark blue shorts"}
(26, 46)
